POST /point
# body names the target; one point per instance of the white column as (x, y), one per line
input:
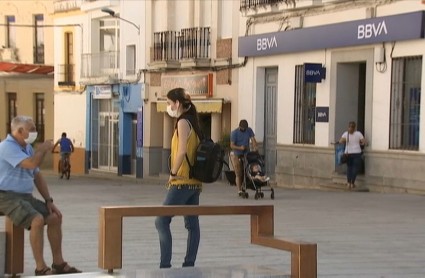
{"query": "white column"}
(168, 131)
(216, 126)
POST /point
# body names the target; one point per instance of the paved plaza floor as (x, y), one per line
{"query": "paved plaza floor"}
(358, 234)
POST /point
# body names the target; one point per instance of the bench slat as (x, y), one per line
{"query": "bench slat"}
(137, 211)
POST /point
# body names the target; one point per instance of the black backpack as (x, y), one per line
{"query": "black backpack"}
(209, 159)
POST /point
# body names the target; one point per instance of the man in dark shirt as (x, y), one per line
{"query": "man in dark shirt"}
(239, 143)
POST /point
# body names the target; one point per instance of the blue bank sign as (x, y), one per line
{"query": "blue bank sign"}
(313, 73)
(399, 27)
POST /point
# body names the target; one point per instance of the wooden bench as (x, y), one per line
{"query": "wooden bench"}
(303, 254)
(14, 248)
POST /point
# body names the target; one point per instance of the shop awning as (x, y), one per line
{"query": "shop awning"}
(26, 68)
(202, 105)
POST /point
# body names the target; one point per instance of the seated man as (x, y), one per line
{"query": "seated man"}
(18, 174)
(257, 174)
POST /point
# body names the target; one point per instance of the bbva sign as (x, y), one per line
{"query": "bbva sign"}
(371, 30)
(266, 43)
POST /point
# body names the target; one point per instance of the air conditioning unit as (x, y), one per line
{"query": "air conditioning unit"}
(8, 55)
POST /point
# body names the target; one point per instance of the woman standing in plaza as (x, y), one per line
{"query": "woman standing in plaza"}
(182, 190)
(354, 141)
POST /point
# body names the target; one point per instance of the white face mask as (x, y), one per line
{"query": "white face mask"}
(31, 138)
(173, 114)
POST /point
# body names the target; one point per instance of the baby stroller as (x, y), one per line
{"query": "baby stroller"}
(249, 182)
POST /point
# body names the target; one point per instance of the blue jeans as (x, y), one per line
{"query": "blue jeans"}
(179, 195)
(353, 165)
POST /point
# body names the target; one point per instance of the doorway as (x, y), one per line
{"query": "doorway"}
(270, 122)
(351, 98)
(134, 144)
(205, 122)
(108, 141)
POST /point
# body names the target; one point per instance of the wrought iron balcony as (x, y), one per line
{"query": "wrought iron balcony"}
(66, 75)
(38, 54)
(66, 5)
(102, 64)
(250, 4)
(191, 43)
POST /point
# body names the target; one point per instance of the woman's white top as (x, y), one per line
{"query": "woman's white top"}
(353, 142)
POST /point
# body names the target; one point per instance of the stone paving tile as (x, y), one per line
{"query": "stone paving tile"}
(358, 234)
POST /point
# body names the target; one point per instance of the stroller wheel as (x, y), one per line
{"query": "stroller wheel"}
(272, 195)
(246, 195)
(261, 195)
(257, 195)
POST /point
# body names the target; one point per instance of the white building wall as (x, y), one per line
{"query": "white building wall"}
(70, 117)
(248, 89)
(133, 11)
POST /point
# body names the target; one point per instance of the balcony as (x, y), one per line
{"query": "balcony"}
(187, 48)
(38, 53)
(60, 6)
(102, 65)
(252, 8)
(66, 75)
(90, 5)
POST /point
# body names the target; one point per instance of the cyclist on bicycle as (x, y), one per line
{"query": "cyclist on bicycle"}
(66, 148)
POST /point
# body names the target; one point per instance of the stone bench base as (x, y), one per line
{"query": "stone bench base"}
(238, 271)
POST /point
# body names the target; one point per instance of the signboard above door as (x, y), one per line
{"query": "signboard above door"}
(102, 92)
(195, 85)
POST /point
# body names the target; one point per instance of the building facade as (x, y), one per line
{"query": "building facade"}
(124, 57)
(26, 65)
(97, 88)
(190, 44)
(317, 66)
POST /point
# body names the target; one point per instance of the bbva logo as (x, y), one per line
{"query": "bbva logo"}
(312, 72)
(266, 43)
(366, 31)
(321, 114)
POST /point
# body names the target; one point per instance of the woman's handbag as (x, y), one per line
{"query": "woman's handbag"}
(344, 156)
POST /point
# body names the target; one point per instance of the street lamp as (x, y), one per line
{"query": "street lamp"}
(112, 13)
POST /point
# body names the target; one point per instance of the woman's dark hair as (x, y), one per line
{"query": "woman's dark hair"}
(189, 110)
(352, 125)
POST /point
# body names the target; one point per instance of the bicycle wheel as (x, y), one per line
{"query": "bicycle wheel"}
(67, 170)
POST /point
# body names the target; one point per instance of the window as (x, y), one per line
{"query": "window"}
(39, 115)
(11, 109)
(67, 69)
(405, 102)
(38, 39)
(109, 35)
(131, 59)
(10, 32)
(305, 109)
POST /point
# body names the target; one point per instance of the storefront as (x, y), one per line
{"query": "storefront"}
(213, 112)
(114, 129)
(368, 71)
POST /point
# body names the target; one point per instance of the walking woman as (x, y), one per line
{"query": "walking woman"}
(354, 140)
(181, 189)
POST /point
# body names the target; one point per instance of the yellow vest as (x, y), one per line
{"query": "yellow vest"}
(192, 144)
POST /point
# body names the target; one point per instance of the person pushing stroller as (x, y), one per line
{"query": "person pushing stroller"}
(239, 143)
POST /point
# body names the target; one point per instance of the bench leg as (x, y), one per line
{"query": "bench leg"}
(304, 262)
(110, 242)
(14, 248)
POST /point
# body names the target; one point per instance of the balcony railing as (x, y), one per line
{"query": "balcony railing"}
(66, 5)
(66, 75)
(38, 54)
(249, 4)
(191, 43)
(101, 64)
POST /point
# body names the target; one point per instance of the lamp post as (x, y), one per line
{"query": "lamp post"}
(112, 13)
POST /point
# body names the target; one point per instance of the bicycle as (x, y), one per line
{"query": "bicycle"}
(64, 167)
